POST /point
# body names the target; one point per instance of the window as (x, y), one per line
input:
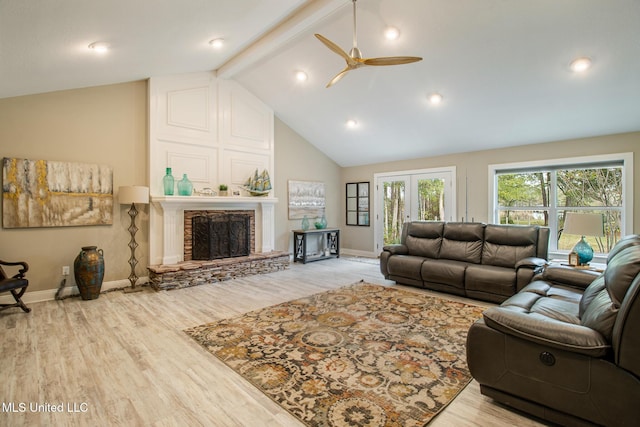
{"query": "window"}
(541, 193)
(358, 203)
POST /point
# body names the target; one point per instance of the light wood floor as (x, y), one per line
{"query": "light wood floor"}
(123, 359)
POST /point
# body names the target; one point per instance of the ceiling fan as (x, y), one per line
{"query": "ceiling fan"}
(355, 60)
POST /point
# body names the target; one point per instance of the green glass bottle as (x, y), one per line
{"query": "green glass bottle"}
(169, 183)
(185, 187)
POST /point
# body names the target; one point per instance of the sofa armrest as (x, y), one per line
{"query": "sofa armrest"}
(387, 252)
(569, 276)
(396, 249)
(531, 262)
(544, 330)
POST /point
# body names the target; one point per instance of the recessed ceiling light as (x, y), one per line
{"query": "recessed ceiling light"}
(99, 47)
(301, 76)
(391, 33)
(351, 123)
(435, 98)
(216, 43)
(581, 64)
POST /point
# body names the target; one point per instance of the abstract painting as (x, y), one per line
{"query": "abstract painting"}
(306, 198)
(41, 193)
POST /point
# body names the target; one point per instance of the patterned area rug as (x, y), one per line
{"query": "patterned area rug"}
(364, 355)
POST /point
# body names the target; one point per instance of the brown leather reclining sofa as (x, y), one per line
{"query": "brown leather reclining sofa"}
(567, 347)
(482, 261)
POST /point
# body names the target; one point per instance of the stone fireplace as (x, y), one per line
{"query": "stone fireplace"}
(174, 246)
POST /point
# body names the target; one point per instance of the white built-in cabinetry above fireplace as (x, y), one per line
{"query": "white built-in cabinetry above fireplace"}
(216, 132)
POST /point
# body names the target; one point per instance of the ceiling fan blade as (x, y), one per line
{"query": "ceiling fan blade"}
(337, 49)
(339, 76)
(354, 57)
(391, 60)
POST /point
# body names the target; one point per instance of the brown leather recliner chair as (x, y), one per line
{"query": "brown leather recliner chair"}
(566, 348)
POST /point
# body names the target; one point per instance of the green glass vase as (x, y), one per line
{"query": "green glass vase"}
(185, 187)
(168, 182)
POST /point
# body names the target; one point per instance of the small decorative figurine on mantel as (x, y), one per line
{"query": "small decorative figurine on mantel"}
(259, 184)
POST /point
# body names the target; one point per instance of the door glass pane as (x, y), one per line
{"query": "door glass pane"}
(431, 199)
(394, 210)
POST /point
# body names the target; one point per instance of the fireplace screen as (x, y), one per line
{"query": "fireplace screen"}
(220, 236)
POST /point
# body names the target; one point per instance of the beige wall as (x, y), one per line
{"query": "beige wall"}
(296, 159)
(474, 166)
(105, 125)
(108, 125)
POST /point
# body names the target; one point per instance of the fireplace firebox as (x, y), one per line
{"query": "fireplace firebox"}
(217, 235)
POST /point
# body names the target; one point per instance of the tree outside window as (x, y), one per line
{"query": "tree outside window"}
(543, 197)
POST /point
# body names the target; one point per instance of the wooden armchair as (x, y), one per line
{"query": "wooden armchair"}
(17, 284)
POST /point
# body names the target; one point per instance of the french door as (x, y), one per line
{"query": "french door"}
(425, 195)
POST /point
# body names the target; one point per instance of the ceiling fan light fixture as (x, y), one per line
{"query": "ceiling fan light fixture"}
(580, 65)
(99, 47)
(391, 33)
(301, 76)
(354, 59)
(216, 43)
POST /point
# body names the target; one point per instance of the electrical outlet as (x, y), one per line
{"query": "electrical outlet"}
(65, 270)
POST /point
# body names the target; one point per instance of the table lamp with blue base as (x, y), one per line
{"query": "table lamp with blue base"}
(584, 224)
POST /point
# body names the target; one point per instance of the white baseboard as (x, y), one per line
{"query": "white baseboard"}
(50, 294)
(354, 252)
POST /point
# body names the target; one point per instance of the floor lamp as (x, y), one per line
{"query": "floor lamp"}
(132, 195)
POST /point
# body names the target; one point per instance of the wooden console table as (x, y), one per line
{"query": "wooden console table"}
(328, 244)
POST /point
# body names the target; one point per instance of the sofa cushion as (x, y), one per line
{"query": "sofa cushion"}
(491, 279)
(543, 288)
(554, 302)
(426, 229)
(405, 266)
(590, 293)
(541, 329)
(601, 314)
(443, 271)
(505, 245)
(623, 243)
(620, 272)
(424, 238)
(462, 241)
(548, 315)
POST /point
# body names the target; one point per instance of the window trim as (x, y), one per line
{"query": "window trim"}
(626, 159)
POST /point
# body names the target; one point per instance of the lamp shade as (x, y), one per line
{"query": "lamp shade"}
(583, 224)
(133, 194)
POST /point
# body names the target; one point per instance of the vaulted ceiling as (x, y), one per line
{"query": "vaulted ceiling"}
(501, 66)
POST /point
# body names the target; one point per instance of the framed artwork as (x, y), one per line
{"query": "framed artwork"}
(306, 198)
(357, 194)
(41, 193)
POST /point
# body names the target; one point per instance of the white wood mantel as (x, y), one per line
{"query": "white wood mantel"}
(173, 207)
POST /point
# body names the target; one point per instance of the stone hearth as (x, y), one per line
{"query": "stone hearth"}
(193, 273)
